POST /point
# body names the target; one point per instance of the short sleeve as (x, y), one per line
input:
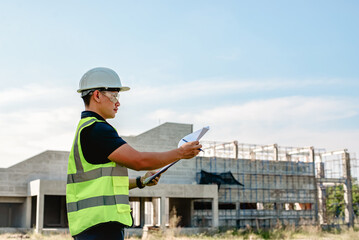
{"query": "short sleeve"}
(98, 141)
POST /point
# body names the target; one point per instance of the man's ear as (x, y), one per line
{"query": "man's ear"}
(96, 96)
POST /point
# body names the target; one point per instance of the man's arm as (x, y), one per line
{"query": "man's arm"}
(129, 157)
(132, 183)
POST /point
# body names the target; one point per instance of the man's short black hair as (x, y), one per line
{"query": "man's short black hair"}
(87, 99)
(86, 96)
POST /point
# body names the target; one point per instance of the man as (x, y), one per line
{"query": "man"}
(98, 184)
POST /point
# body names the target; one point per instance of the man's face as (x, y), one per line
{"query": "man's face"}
(110, 103)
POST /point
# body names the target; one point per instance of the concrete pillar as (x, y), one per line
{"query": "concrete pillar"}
(163, 213)
(320, 172)
(142, 211)
(236, 149)
(322, 206)
(275, 152)
(28, 212)
(215, 216)
(348, 198)
(40, 210)
(315, 184)
(155, 211)
(253, 156)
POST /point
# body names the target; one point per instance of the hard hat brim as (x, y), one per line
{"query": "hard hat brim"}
(120, 89)
(123, 89)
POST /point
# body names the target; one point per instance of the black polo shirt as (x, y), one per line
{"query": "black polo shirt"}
(99, 140)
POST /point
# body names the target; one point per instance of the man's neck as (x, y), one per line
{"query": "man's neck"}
(95, 110)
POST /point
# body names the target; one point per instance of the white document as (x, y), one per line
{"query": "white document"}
(195, 136)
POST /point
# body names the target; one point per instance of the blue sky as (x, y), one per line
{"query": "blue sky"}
(259, 72)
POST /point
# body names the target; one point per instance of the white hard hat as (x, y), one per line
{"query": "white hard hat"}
(100, 78)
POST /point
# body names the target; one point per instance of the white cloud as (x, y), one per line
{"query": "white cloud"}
(297, 110)
(36, 118)
(211, 87)
(28, 132)
(286, 121)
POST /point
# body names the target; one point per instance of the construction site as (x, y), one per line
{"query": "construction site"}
(275, 184)
(229, 184)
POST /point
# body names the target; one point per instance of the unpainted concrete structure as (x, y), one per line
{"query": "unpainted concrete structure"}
(280, 184)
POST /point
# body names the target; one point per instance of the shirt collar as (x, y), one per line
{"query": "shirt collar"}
(86, 114)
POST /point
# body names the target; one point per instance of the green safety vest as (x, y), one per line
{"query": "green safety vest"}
(95, 193)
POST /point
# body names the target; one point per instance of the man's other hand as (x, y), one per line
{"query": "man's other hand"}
(149, 174)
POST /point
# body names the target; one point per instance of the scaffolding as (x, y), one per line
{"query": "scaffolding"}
(337, 174)
(282, 185)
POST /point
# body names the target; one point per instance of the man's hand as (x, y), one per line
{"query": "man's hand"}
(190, 149)
(149, 174)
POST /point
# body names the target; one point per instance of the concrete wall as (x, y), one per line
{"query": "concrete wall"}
(161, 138)
(48, 165)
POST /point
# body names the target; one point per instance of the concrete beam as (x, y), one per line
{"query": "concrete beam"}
(265, 148)
(301, 151)
(331, 181)
(334, 153)
(177, 191)
(12, 199)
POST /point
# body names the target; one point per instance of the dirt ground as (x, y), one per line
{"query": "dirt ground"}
(308, 233)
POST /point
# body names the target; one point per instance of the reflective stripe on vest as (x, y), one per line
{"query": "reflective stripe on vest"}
(96, 173)
(97, 201)
(78, 163)
(96, 193)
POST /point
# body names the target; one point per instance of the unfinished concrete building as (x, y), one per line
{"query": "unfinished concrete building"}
(284, 185)
(229, 185)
